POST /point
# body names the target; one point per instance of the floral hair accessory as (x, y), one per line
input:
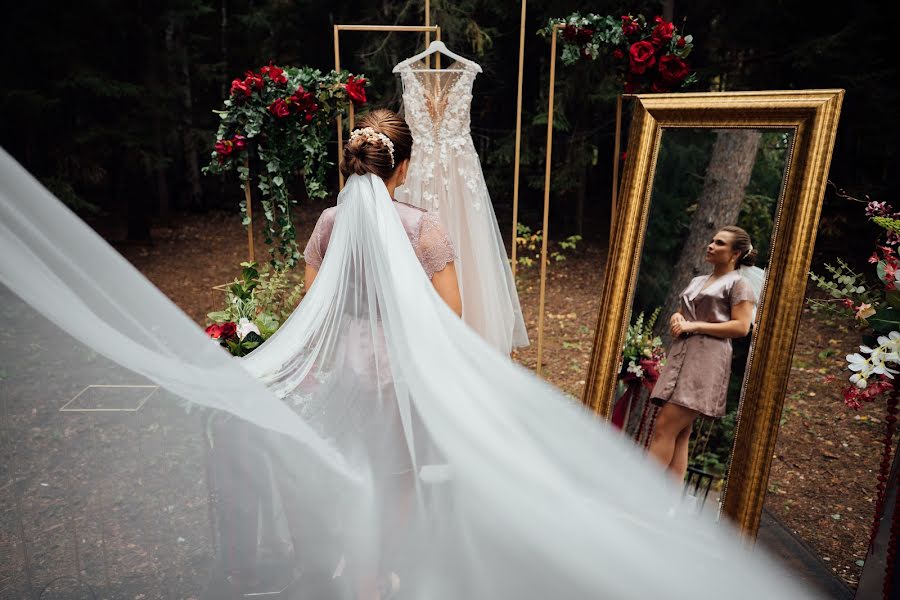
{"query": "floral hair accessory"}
(373, 136)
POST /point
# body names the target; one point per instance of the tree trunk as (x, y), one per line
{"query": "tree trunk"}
(181, 79)
(223, 43)
(223, 195)
(730, 167)
(137, 211)
(162, 184)
(668, 9)
(157, 166)
(581, 196)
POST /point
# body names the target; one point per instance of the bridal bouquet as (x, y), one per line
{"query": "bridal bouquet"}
(256, 305)
(642, 358)
(647, 55)
(284, 115)
(643, 353)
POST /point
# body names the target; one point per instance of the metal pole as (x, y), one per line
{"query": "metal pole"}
(545, 227)
(515, 210)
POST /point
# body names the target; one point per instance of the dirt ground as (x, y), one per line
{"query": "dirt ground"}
(823, 477)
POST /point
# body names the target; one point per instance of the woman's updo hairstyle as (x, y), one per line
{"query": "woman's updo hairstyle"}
(741, 243)
(369, 153)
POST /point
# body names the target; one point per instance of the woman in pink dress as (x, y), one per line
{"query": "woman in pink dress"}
(368, 153)
(382, 145)
(694, 381)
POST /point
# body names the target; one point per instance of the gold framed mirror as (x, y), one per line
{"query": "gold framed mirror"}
(696, 163)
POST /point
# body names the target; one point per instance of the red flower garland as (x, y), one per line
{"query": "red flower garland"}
(886, 455)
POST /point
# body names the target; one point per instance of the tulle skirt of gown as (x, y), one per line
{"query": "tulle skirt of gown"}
(456, 190)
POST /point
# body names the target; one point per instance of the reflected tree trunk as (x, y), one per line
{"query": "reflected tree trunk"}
(730, 167)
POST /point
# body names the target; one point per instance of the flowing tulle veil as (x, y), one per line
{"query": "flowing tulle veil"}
(388, 437)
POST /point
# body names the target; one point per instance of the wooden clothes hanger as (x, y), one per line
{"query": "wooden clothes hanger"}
(433, 47)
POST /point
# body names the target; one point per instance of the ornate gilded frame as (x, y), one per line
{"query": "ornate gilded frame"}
(812, 115)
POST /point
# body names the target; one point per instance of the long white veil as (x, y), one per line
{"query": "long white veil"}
(389, 438)
(756, 277)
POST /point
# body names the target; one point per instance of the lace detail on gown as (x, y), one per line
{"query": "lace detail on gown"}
(445, 176)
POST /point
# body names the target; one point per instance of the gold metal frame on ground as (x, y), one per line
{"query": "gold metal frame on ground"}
(547, 170)
(812, 115)
(426, 29)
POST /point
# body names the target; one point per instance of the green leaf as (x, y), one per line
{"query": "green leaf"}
(879, 268)
(267, 324)
(220, 316)
(893, 298)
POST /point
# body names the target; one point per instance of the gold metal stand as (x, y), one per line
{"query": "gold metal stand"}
(544, 227)
(544, 230)
(427, 29)
(515, 212)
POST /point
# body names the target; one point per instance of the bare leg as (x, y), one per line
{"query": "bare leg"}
(679, 464)
(670, 423)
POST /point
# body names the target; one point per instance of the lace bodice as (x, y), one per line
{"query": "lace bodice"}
(437, 107)
(428, 237)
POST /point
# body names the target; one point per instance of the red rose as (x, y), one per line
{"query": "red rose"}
(280, 108)
(224, 147)
(631, 28)
(659, 87)
(253, 80)
(239, 88)
(274, 73)
(680, 43)
(228, 330)
(642, 56)
(356, 89)
(577, 35)
(662, 33)
(672, 69)
(214, 331)
(239, 141)
(658, 19)
(618, 54)
(630, 85)
(629, 25)
(304, 103)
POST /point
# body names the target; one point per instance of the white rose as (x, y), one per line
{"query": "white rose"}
(245, 326)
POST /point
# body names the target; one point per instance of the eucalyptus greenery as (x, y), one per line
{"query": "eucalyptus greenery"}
(286, 118)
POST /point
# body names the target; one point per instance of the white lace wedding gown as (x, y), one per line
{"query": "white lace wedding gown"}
(445, 176)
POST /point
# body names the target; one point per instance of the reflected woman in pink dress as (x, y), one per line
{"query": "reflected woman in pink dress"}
(694, 381)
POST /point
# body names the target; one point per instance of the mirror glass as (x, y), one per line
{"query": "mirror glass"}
(710, 227)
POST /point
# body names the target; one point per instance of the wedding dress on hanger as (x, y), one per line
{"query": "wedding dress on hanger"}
(378, 432)
(445, 176)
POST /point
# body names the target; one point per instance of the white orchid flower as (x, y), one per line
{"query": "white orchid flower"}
(857, 362)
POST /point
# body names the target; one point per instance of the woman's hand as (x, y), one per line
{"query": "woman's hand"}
(676, 321)
(684, 327)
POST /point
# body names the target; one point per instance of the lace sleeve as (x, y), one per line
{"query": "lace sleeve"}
(433, 246)
(318, 241)
(742, 291)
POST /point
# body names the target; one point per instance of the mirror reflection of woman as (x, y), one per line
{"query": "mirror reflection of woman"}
(694, 381)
